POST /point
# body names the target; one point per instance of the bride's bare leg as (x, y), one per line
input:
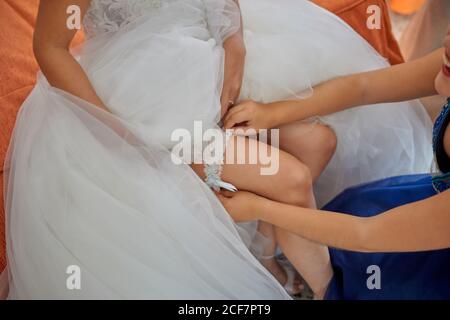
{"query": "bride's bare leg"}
(291, 184)
(269, 260)
(313, 144)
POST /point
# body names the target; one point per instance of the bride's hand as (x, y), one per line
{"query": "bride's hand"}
(251, 115)
(233, 71)
(242, 206)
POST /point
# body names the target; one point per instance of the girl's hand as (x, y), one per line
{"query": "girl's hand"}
(234, 71)
(251, 115)
(242, 206)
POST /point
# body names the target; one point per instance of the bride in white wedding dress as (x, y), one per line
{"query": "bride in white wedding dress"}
(98, 190)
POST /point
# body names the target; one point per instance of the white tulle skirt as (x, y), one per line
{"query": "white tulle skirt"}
(83, 193)
(99, 191)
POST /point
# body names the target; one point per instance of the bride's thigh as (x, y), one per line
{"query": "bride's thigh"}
(289, 180)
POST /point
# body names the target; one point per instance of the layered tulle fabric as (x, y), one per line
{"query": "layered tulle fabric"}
(83, 191)
(89, 190)
(293, 45)
(163, 70)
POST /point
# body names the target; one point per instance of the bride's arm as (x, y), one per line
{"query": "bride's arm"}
(51, 43)
(233, 68)
(418, 226)
(402, 82)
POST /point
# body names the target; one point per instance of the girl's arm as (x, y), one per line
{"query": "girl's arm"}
(402, 82)
(51, 44)
(420, 226)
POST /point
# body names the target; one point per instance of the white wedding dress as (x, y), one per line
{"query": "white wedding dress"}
(82, 191)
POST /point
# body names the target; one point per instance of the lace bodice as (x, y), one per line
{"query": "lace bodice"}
(220, 17)
(111, 15)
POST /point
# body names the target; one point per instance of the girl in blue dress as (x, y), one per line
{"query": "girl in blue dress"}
(408, 275)
(388, 239)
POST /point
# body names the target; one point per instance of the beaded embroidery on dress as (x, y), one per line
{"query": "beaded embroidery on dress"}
(111, 15)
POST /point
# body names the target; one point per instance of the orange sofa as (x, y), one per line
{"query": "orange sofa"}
(354, 12)
(17, 73)
(18, 67)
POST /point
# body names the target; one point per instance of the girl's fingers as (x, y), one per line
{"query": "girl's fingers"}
(236, 118)
(233, 111)
(243, 131)
(239, 107)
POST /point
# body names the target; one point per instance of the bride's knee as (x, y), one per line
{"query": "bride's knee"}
(325, 140)
(330, 141)
(297, 185)
(318, 139)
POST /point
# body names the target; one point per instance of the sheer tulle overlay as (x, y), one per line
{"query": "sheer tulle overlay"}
(83, 192)
(100, 191)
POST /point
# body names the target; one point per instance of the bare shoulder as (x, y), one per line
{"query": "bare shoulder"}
(58, 9)
(52, 25)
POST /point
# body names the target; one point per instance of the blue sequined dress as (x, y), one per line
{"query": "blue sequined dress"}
(418, 275)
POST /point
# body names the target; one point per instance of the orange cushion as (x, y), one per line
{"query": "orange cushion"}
(2, 232)
(354, 12)
(18, 70)
(406, 7)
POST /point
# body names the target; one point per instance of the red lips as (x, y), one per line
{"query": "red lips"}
(446, 70)
(446, 65)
